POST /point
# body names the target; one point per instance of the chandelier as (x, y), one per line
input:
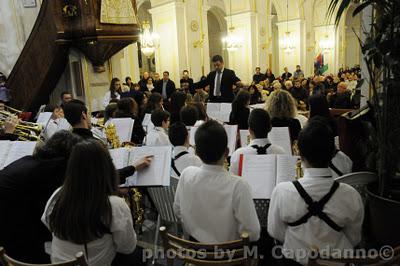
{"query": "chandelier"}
(326, 44)
(232, 42)
(288, 42)
(148, 40)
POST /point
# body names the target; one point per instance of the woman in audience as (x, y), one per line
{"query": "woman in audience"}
(255, 94)
(155, 102)
(150, 85)
(240, 110)
(84, 214)
(178, 100)
(127, 107)
(269, 75)
(25, 187)
(114, 92)
(282, 108)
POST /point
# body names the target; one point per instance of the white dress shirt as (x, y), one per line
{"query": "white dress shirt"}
(55, 125)
(214, 205)
(157, 136)
(184, 161)
(343, 163)
(302, 119)
(345, 208)
(103, 250)
(235, 158)
(215, 82)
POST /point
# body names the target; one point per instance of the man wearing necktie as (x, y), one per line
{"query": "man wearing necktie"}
(221, 82)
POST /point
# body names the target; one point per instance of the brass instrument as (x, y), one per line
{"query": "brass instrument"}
(12, 110)
(139, 211)
(296, 152)
(24, 130)
(112, 137)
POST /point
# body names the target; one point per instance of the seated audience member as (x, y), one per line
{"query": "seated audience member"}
(259, 127)
(240, 110)
(128, 108)
(8, 129)
(154, 102)
(158, 136)
(85, 214)
(315, 211)
(341, 164)
(341, 99)
(281, 107)
(76, 113)
(286, 75)
(298, 93)
(178, 100)
(25, 187)
(258, 76)
(288, 85)
(189, 115)
(214, 205)
(269, 76)
(5, 96)
(298, 74)
(65, 97)
(179, 138)
(255, 95)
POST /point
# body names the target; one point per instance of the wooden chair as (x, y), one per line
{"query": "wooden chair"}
(225, 254)
(7, 261)
(378, 261)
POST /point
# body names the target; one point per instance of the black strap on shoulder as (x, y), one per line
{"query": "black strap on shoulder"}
(335, 169)
(176, 158)
(316, 208)
(261, 150)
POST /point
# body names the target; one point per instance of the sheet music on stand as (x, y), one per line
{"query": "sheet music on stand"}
(10, 151)
(44, 118)
(231, 132)
(264, 172)
(146, 123)
(278, 136)
(219, 111)
(157, 174)
(124, 128)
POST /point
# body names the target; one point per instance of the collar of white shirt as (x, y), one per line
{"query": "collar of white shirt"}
(317, 173)
(160, 129)
(222, 71)
(213, 168)
(259, 142)
(179, 149)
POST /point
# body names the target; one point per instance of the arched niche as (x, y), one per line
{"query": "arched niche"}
(217, 29)
(352, 29)
(145, 63)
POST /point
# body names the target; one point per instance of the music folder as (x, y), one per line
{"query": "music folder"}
(157, 174)
(264, 172)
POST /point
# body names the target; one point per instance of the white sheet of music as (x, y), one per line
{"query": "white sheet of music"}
(213, 107)
(120, 157)
(219, 111)
(124, 127)
(285, 168)
(18, 150)
(158, 173)
(5, 146)
(44, 118)
(244, 136)
(260, 173)
(192, 132)
(231, 131)
(280, 136)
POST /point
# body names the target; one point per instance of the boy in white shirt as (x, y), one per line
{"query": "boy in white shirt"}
(179, 137)
(259, 127)
(214, 205)
(315, 211)
(158, 136)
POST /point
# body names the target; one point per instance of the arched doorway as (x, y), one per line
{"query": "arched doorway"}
(352, 46)
(275, 41)
(216, 31)
(145, 63)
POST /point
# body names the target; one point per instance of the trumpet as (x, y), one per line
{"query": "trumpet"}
(24, 130)
(12, 110)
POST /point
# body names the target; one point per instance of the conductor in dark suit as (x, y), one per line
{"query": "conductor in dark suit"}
(165, 87)
(221, 82)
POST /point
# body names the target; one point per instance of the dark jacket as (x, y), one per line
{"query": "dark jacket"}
(286, 76)
(25, 187)
(299, 94)
(341, 101)
(124, 172)
(228, 79)
(170, 88)
(257, 78)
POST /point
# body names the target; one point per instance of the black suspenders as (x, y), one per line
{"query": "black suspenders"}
(261, 150)
(176, 158)
(316, 208)
(334, 168)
